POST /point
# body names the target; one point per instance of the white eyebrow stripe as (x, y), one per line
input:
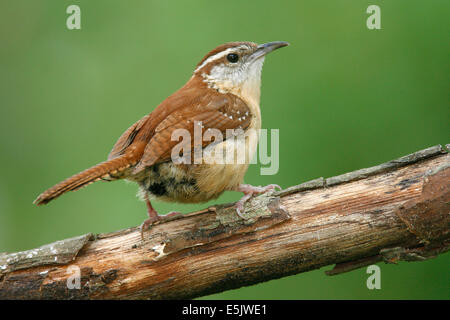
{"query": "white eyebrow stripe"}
(219, 55)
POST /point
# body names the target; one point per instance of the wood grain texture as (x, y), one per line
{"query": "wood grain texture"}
(399, 210)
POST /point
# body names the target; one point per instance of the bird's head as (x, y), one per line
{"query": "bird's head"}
(235, 67)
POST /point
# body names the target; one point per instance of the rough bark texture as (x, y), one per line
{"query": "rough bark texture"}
(395, 211)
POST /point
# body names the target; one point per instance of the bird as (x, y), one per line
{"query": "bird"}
(222, 95)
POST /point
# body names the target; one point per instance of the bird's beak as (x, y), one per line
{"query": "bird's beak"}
(265, 48)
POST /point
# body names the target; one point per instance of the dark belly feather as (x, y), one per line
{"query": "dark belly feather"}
(168, 182)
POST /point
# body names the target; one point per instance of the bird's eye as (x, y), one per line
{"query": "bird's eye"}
(232, 57)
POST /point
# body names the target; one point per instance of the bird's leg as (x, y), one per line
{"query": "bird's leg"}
(153, 216)
(249, 191)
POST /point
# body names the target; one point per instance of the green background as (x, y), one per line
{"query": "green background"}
(344, 97)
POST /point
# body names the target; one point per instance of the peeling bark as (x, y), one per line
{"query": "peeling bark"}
(397, 211)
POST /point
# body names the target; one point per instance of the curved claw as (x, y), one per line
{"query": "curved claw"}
(272, 187)
(240, 206)
(249, 191)
(153, 217)
(240, 209)
(156, 218)
(145, 225)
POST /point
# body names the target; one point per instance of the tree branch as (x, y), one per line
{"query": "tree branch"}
(395, 211)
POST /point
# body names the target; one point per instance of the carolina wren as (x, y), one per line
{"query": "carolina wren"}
(223, 93)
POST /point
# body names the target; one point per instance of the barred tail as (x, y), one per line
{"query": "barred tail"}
(84, 178)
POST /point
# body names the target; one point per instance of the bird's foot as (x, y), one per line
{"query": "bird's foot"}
(249, 191)
(153, 217)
